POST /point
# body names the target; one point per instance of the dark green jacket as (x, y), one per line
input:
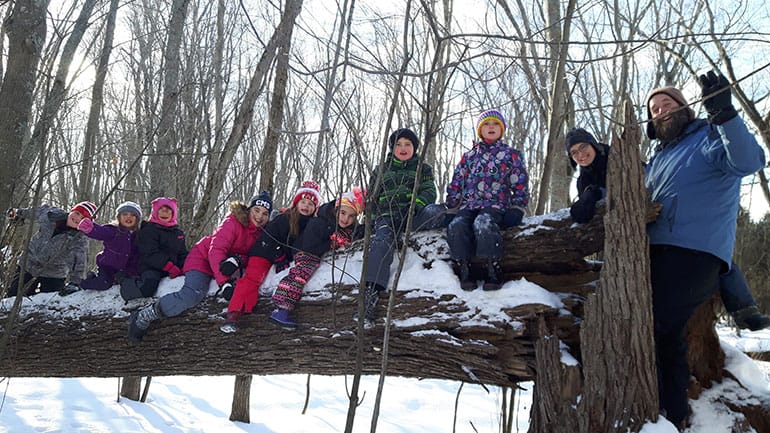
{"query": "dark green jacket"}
(394, 195)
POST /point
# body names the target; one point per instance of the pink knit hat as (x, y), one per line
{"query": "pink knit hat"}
(309, 190)
(159, 203)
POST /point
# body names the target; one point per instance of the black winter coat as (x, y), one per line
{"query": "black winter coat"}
(316, 238)
(276, 239)
(159, 245)
(595, 174)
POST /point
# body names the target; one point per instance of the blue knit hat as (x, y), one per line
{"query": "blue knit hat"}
(490, 115)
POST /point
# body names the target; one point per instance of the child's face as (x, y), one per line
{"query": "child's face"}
(306, 207)
(259, 216)
(74, 218)
(491, 130)
(127, 219)
(165, 214)
(346, 216)
(583, 154)
(403, 150)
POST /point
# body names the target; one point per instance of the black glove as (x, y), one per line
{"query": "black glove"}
(717, 98)
(513, 217)
(282, 263)
(226, 289)
(229, 265)
(583, 210)
(69, 289)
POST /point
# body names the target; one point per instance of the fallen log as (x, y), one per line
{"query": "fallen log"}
(438, 330)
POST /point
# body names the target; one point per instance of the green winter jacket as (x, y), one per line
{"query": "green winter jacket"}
(394, 195)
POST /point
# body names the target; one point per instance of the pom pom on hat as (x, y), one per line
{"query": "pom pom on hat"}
(355, 199)
(129, 207)
(309, 190)
(404, 133)
(262, 199)
(490, 115)
(676, 95)
(86, 208)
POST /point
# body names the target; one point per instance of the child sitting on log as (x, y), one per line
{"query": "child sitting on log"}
(489, 190)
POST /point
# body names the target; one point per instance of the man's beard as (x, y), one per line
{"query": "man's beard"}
(672, 127)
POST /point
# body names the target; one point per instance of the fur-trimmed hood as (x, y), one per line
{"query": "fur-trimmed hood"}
(240, 211)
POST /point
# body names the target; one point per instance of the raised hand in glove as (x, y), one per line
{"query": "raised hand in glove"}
(12, 214)
(172, 269)
(229, 265)
(227, 288)
(584, 209)
(86, 225)
(717, 99)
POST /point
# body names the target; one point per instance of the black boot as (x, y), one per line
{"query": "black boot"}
(751, 318)
(492, 280)
(463, 269)
(371, 299)
(140, 320)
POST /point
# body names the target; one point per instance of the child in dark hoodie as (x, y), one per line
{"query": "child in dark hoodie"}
(162, 250)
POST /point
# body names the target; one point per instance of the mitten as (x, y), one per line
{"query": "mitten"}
(69, 289)
(717, 98)
(86, 225)
(172, 269)
(513, 217)
(227, 288)
(583, 210)
(229, 265)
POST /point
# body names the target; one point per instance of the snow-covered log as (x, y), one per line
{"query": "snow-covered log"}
(438, 330)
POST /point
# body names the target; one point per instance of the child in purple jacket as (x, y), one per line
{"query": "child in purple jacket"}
(120, 254)
(490, 190)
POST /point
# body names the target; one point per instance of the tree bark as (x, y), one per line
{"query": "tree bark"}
(131, 387)
(241, 398)
(26, 31)
(85, 186)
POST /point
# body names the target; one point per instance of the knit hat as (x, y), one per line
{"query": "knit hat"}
(159, 203)
(355, 199)
(262, 199)
(309, 190)
(404, 133)
(129, 207)
(490, 115)
(676, 95)
(86, 208)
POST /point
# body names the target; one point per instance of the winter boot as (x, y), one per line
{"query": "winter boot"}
(282, 318)
(231, 322)
(464, 273)
(140, 320)
(751, 318)
(371, 299)
(492, 280)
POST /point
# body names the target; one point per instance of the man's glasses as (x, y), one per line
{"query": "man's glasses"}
(580, 149)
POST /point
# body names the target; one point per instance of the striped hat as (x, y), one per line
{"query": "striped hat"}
(490, 115)
(129, 207)
(309, 190)
(354, 199)
(86, 208)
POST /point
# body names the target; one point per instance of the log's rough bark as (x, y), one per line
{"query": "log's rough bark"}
(442, 338)
(241, 398)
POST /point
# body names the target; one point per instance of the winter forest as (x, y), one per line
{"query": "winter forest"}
(214, 101)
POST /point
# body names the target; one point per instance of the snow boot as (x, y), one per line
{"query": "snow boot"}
(282, 318)
(464, 273)
(751, 318)
(492, 280)
(231, 322)
(140, 320)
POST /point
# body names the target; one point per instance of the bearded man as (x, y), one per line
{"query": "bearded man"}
(695, 174)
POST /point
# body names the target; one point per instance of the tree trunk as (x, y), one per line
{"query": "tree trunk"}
(131, 387)
(244, 116)
(162, 176)
(241, 398)
(26, 31)
(85, 186)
